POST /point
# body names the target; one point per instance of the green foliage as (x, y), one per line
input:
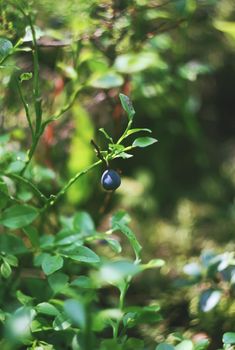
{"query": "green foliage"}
(83, 281)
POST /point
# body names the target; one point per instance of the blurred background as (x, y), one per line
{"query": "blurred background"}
(175, 59)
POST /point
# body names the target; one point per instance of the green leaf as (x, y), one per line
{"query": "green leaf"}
(5, 47)
(107, 81)
(145, 314)
(11, 244)
(5, 269)
(83, 224)
(4, 197)
(135, 62)
(136, 130)
(131, 237)
(110, 344)
(127, 106)
(23, 298)
(11, 260)
(18, 216)
(114, 244)
(106, 135)
(165, 346)
(76, 312)
(209, 299)
(32, 234)
(26, 76)
(184, 345)
(51, 263)
(82, 282)
(144, 142)
(61, 322)
(117, 271)
(83, 254)
(58, 281)
(153, 264)
(124, 155)
(47, 309)
(28, 34)
(229, 338)
(121, 217)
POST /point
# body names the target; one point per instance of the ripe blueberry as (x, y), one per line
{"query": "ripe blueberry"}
(110, 180)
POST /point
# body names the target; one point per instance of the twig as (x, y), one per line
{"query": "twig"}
(99, 154)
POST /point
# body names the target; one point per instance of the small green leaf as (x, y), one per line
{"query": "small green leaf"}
(106, 135)
(47, 309)
(209, 299)
(50, 264)
(5, 270)
(82, 282)
(144, 142)
(23, 298)
(28, 33)
(61, 322)
(32, 234)
(116, 272)
(5, 47)
(4, 197)
(114, 244)
(134, 131)
(11, 260)
(229, 338)
(107, 81)
(26, 76)
(153, 264)
(131, 237)
(127, 106)
(124, 155)
(83, 224)
(58, 281)
(83, 254)
(18, 216)
(121, 217)
(76, 312)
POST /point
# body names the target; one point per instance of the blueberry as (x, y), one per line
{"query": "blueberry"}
(110, 180)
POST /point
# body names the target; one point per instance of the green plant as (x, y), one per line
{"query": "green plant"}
(57, 304)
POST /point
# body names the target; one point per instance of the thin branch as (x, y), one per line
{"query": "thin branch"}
(99, 154)
(29, 184)
(54, 198)
(26, 107)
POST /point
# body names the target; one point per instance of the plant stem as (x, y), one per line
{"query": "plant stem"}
(26, 108)
(36, 88)
(121, 307)
(54, 198)
(26, 182)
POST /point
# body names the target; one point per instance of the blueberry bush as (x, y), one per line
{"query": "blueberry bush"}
(108, 239)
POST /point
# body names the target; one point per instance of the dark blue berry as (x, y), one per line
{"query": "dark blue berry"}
(110, 180)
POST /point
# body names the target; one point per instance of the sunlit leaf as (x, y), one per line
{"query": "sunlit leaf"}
(76, 312)
(5, 47)
(229, 338)
(127, 106)
(107, 81)
(209, 299)
(144, 142)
